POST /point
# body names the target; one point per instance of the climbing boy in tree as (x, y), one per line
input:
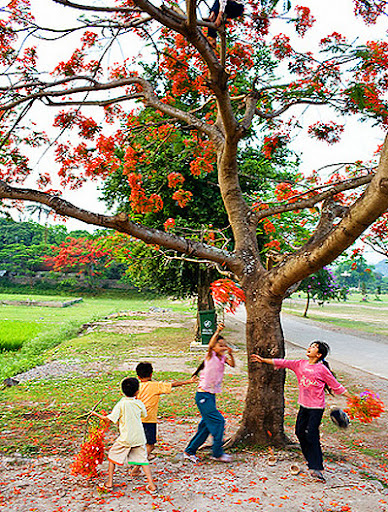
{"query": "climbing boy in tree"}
(231, 8)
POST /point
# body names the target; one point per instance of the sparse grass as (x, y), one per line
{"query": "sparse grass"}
(45, 414)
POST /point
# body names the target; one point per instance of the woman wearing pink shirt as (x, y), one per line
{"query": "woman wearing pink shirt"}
(210, 380)
(314, 376)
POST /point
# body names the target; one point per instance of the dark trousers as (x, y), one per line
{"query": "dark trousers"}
(232, 10)
(307, 431)
(212, 423)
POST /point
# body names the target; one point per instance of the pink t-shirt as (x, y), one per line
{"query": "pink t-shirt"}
(210, 378)
(311, 379)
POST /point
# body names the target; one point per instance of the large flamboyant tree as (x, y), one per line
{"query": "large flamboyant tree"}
(248, 85)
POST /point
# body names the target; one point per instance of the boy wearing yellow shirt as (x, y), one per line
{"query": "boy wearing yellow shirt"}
(149, 394)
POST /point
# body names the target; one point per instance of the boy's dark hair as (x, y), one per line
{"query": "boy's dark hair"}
(129, 386)
(144, 370)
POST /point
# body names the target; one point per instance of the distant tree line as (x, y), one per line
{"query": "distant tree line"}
(27, 248)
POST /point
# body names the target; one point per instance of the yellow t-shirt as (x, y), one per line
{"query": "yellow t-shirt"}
(149, 394)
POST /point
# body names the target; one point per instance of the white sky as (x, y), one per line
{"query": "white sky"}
(359, 142)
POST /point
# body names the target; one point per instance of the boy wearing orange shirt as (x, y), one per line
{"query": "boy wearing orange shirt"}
(149, 394)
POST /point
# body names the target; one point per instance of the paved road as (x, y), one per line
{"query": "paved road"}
(357, 351)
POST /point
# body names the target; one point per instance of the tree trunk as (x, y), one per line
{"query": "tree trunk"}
(307, 305)
(262, 422)
(205, 299)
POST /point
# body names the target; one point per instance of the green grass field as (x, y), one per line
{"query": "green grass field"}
(369, 316)
(14, 333)
(26, 332)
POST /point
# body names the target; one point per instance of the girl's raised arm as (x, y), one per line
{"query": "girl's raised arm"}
(230, 359)
(214, 338)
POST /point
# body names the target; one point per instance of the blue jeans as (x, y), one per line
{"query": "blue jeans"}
(212, 423)
(307, 431)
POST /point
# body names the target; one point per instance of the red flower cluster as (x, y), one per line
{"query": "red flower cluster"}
(304, 21)
(270, 145)
(140, 203)
(365, 407)
(227, 294)
(329, 132)
(281, 46)
(286, 192)
(273, 244)
(87, 126)
(205, 156)
(182, 197)
(175, 179)
(332, 40)
(169, 224)
(370, 11)
(91, 453)
(80, 254)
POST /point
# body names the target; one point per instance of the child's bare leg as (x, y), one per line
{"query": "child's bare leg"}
(111, 469)
(150, 449)
(136, 470)
(147, 472)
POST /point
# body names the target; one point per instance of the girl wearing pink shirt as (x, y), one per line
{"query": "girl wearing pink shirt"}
(210, 380)
(314, 376)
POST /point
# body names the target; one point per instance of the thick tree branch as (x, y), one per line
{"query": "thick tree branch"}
(250, 110)
(191, 8)
(368, 208)
(121, 223)
(147, 93)
(330, 212)
(311, 201)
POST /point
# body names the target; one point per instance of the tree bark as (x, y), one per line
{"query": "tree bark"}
(262, 422)
(307, 305)
(205, 299)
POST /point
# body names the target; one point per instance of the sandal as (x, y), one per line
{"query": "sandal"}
(317, 475)
(104, 488)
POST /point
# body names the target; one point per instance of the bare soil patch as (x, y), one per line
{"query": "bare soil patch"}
(356, 481)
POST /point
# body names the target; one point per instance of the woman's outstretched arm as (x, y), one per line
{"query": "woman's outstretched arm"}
(258, 359)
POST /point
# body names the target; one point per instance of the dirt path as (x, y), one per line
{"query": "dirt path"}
(355, 482)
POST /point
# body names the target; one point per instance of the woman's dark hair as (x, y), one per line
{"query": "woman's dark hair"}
(213, 341)
(324, 349)
(199, 369)
(208, 355)
(144, 370)
(129, 386)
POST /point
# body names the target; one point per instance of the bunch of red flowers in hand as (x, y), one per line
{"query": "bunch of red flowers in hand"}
(227, 294)
(365, 407)
(91, 453)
